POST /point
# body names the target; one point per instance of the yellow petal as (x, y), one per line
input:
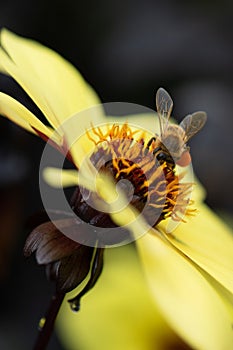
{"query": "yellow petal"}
(74, 128)
(189, 303)
(119, 313)
(53, 84)
(199, 193)
(209, 243)
(21, 116)
(122, 213)
(224, 294)
(59, 178)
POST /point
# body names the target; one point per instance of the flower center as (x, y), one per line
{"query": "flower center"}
(144, 171)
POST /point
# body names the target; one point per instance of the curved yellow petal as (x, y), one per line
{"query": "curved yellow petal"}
(199, 193)
(190, 304)
(53, 83)
(74, 128)
(21, 116)
(59, 178)
(119, 313)
(209, 243)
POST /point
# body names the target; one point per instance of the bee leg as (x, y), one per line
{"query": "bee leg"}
(149, 144)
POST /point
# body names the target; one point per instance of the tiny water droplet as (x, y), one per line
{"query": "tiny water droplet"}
(41, 323)
(75, 305)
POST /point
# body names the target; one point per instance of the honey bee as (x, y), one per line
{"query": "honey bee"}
(172, 147)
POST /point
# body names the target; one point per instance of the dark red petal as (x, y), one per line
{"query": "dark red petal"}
(52, 270)
(43, 216)
(74, 268)
(32, 242)
(46, 139)
(47, 236)
(54, 245)
(96, 270)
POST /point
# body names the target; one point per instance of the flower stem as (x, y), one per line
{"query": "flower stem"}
(47, 322)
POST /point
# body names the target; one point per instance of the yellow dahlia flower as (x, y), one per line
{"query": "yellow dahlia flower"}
(189, 272)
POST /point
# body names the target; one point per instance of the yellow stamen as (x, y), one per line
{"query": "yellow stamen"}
(154, 182)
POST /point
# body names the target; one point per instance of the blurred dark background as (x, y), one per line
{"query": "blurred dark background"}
(125, 50)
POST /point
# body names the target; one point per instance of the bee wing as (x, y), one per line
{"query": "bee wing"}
(192, 123)
(164, 105)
